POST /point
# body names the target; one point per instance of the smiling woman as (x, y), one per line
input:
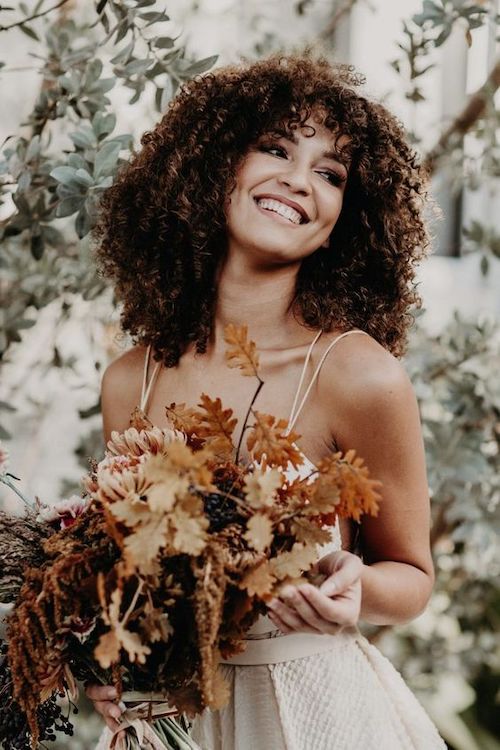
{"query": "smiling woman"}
(164, 220)
(275, 195)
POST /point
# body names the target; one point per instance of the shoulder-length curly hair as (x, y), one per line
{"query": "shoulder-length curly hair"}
(161, 234)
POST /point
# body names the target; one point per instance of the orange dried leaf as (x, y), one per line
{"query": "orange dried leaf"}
(190, 532)
(140, 420)
(182, 417)
(107, 651)
(142, 547)
(244, 353)
(310, 533)
(259, 532)
(216, 425)
(267, 439)
(292, 564)
(260, 487)
(259, 581)
(358, 494)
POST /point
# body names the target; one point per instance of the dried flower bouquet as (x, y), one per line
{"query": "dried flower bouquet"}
(169, 557)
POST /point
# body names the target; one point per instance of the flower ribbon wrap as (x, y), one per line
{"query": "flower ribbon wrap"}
(144, 708)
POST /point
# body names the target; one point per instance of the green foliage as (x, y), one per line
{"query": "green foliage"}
(42, 184)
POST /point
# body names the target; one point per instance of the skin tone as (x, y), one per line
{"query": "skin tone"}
(363, 398)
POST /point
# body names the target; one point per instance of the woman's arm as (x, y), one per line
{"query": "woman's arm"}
(379, 417)
(375, 412)
(121, 390)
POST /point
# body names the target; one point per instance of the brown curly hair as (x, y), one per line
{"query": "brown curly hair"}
(162, 229)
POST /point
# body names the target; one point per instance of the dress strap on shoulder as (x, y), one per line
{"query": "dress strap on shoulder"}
(147, 387)
(295, 413)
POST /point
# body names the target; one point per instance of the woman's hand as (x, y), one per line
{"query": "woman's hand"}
(103, 697)
(327, 609)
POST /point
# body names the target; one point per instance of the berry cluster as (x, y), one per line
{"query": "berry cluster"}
(14, 730)
(220, 509)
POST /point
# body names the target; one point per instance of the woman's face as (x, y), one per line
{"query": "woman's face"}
(288, 195)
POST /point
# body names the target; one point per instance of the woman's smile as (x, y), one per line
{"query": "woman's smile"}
(279, 211)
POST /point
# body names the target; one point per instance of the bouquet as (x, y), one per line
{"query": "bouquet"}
(161, 566)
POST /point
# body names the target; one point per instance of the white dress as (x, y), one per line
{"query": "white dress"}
(312, 692)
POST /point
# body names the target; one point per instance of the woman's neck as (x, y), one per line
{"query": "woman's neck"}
(260, 299)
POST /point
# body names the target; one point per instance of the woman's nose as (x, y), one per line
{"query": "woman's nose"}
(296, 177)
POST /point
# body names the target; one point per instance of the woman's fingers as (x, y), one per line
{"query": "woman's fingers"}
(101, 692)
(342, 568)
(289, 617)
(297, 601)
(101, 696)
(341, 611)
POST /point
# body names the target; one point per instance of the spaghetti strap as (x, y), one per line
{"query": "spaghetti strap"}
(294, 414)
(146, 387)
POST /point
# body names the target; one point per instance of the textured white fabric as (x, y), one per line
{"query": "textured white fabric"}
(349, 698)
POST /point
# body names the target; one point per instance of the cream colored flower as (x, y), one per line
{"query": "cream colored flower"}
(136, 443)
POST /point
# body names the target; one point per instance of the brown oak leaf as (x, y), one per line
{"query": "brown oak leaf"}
(259, 532)
(267, 438)
(259, 581)
(182, 417)
(143, 545)
(293, 563)
(107, 651)
(140, 420)
(190, 532)
(310, 533)
(243, 353)
(260, 487)
(357, 493)
(216, 425)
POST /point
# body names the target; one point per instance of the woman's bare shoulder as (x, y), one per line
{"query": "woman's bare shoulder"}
(362, 381)
(121, 388)
(359, 363)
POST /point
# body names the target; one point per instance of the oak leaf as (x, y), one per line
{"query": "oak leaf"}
(140, 420)
(182, 417)
(260, 487)
(143, 545)
(267, 439)
(243, 353)
(259, 532)
(357, 493)
(190, 532)
(259, 581)
(216, 425)
(310, 533)
(107, 651)
(293, 563)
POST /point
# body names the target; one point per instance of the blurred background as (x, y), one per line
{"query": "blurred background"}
(80, 83)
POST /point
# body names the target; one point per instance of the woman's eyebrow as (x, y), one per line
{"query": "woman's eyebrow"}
(332, 154)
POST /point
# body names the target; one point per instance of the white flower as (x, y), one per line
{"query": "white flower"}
(65, 512)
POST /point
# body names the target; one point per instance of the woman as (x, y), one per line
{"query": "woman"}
(273, 194)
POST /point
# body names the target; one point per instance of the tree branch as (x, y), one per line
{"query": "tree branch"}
(32, 18)
(337, 16)
(466, 119)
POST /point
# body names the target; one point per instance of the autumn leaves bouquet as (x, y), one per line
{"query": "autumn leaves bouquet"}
(169, 556)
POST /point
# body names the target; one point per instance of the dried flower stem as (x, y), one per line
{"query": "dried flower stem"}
(249, 411)
(4, 479)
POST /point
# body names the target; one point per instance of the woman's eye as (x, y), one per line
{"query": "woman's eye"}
(274, 150)
(334, 178)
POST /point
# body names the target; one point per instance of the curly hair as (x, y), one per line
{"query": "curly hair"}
(161, 234)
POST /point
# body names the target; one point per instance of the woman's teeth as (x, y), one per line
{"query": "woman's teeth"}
(280, 208)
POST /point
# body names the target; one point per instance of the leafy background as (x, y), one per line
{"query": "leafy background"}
(92, 77)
